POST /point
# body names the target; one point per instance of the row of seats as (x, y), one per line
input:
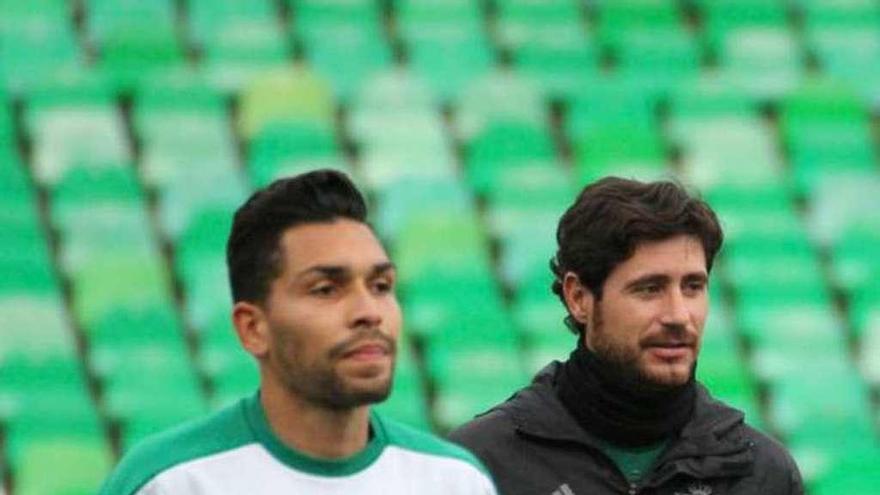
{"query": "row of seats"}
(765, 46)
(466, 200)
(94, 204)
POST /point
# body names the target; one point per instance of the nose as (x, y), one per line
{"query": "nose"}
(676, 312)
(365, 309)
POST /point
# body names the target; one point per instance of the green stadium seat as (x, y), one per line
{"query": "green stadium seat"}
(62, 408)
(151, 387)
(243, 52)
(281, 146)
(863, 304)
(448, 57)
(315, 18)
(847, 54)
(609, 100)
(619, 19)
(135, 51)
(721, 18)
(72, 125)
(471, 380)
(765, 62)
(35, 326)
(118, 280)
(703, 100)
(559, 70)
(295, 94)
(850, 14)
(503, 148)
(135, 54)
(827, 132)
(408, 401)
(522, 211)
(37, 12)
(843, 201)
(171, 159)
(829, 436)
(234, 377)
(734, 151)
(758, 209)
(33, 51)
(624, 150)
(522, 23)
(7, 127)
(400, 201)
(209, 21)
(853, 258)
(659, 61)
(854, 471)
(78, 466)
(179, 202)
(538, 315)
(347, 57)
(396, 122)
(869, 349)
(722, 371)
(103, 18)
(201, 267)
(127, 330)
(498, 96)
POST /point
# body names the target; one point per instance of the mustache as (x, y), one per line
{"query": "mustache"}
(372, 335)
(678, 334)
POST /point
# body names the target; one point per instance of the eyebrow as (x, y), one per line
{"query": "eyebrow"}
(340, 272)
(658, 278)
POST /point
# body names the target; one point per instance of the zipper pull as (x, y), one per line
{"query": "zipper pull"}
(633, 489)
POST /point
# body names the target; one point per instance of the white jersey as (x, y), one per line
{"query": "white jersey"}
(235, 452)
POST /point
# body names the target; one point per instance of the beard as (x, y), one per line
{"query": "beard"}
(318, 380)
(624, 362)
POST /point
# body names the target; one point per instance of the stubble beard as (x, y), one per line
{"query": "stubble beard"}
(625, 362)
(320, 383)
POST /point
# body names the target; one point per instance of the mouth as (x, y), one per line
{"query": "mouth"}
(367, 351)
(669, 351)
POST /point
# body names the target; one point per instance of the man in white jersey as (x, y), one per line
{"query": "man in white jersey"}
(314, 303)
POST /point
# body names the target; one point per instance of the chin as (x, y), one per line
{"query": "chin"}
(668, 375)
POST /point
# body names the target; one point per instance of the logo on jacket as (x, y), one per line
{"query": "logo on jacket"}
(563, 489)
(698, 489)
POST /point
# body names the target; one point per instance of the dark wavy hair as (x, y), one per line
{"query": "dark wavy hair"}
(253, 252)
(612, 216)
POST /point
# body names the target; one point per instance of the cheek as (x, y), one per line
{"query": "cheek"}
(393, 317)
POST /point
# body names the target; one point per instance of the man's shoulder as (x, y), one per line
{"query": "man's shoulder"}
(411, 439)
(485, 429)
(769, 452)
(223, 430)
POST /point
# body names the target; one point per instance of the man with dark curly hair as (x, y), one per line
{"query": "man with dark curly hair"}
(624, 414)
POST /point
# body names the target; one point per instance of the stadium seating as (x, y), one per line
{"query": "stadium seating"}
(130, 131)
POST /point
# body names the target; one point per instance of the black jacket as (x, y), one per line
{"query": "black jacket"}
(532, 445)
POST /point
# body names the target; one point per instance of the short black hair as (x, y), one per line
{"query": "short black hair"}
(253, 252)
(612, 216)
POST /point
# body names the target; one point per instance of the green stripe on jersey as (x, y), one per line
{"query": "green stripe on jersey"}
(224, 430)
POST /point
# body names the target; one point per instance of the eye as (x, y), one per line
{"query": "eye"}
(649, 289)
(383, 286)
(695, 286)
(323, 290)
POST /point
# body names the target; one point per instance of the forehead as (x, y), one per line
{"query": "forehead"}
(677, 256)
(341, 242)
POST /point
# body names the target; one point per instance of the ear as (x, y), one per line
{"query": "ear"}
(578, 299)
(251, 327)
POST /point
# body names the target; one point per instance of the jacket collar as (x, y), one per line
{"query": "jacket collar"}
(713, 443)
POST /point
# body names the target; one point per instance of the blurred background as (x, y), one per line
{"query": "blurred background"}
(131, 129)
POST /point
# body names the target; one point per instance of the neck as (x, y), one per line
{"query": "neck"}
(313, 429)
(610, 403)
